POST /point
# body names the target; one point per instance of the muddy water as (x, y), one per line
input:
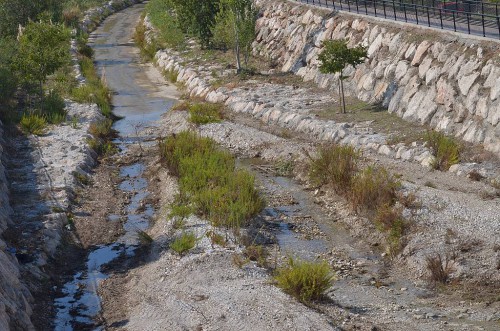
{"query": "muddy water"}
(138, 102)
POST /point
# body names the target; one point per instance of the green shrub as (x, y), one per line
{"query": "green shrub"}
(203, 113)
(372, 188)
(62, 81)
(445, 150)
(185, 144)
(306, 281)
(33, 123)
(209, 182)
(183, 243)
(335, 165)
(54, 107)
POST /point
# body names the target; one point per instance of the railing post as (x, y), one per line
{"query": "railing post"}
(366, 8)
(394, 9)
(454, 22)
(441, 17)
(482, 21)
(357, 7)
(404, 9)
(383, 5)
(349, 5)
(468, 22)
(428, 18)
(416, 13)
(375, 7)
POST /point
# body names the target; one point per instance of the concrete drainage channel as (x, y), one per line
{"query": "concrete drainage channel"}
(138, 104)
(141, 104)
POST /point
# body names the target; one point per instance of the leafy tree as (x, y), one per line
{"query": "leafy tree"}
(43, 48)
(18, 12)
(8, 81)
(235, 27)
(169, 31)
(336, 56)
(196, 17)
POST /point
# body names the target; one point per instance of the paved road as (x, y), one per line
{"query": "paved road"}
(473, 24)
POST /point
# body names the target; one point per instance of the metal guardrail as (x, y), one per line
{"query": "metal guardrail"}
(483, 21)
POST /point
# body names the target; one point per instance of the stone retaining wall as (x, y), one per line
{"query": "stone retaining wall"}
(433, 78)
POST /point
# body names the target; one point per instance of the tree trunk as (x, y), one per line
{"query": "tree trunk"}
(238, 60)
(340, 96)
(237, 47)
(343, 97)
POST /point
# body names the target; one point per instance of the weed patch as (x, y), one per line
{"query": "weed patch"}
(183, 243)
(440, 269)
(216, 239)
(209, 181)
(95, 90)
(203, 113)
(284, 168)
(306, 281)
(445, 150)
(256, 253)
(335, 165)
(372, 188)
(390, 219)
(81, 178)
(102, 132)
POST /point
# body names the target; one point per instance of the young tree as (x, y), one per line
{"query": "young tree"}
(235, 27)
(335, 57)
(42, 49)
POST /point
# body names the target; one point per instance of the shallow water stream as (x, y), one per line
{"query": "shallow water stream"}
(137, 100)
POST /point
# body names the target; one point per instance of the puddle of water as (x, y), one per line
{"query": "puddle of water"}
(291, 242)
(81, 302)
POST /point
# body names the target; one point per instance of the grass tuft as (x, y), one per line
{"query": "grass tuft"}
(203, 113)
(445, 150)
(184, 243)
(373, 188)
(306, 281)
(95, 90)
(440, 269)
(33, 123)
(335, 165)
